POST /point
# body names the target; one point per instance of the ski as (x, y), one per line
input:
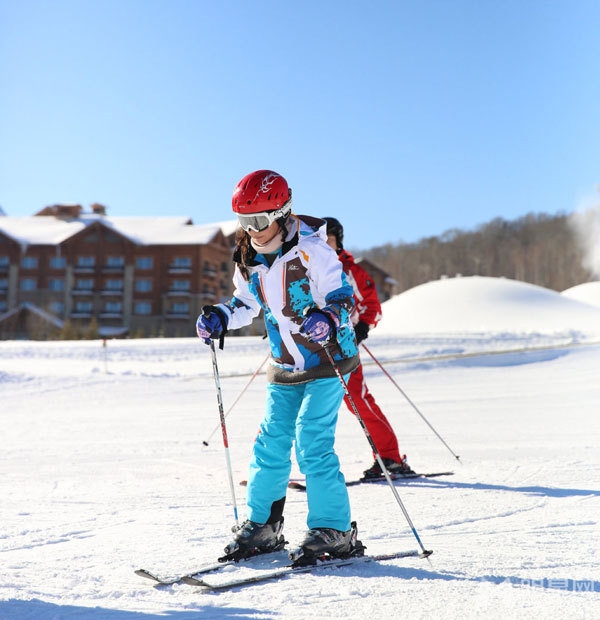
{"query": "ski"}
(398, 477)
(300, 486)
(292, 569)
(169, 581)
(203, 570)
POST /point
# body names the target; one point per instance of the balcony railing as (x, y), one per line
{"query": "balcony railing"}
(83, 291)
(113, 268)
(118, 292)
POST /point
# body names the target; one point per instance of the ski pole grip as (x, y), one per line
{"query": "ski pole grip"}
(207, 311)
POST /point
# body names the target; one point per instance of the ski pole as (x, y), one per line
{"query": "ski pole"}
(223, 427)
(205, 442)
(424, 552)
(387, 374)
(105, 356)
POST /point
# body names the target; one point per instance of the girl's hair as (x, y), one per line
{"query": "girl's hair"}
(244, 253)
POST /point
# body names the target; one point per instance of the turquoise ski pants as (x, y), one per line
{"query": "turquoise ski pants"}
(307, 414)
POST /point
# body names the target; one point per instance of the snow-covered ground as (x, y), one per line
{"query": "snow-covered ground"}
(103, 469)
(588, 292)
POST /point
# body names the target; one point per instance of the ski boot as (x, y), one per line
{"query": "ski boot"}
(253, 539)
(393, 468)
(327, 543)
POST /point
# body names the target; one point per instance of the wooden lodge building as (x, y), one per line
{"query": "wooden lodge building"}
(116, 276)
(66, 273)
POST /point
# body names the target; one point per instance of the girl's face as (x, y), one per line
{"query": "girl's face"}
(264, 236)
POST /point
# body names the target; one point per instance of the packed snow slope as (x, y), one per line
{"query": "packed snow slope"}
(482, 304)
(104, 469)
(588, 292)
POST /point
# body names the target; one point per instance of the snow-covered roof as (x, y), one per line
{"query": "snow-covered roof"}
(49, 318)
(40, 230)
(228, 227)
(165, 230)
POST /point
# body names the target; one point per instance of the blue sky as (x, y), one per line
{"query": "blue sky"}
(402, 118)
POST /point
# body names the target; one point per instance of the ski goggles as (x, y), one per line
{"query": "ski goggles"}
(261, 221)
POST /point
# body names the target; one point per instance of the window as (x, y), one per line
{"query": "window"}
(143, 286)
(114, 285)
(28, 284)
(182, 262)
(111, 237)
(4, 261)
(3, 306)
(142, 307)
(56, 307)
(114, 307)
(56, 284)
(181, 285)
(58, 262)
(83, 307)
(144, 262)
(3, 284)
(209, 270)
(29, 262)
(86, 261)
(85, 284)
(180, 308)
(115, 261)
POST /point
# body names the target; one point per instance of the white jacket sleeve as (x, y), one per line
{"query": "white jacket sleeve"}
(243, 307)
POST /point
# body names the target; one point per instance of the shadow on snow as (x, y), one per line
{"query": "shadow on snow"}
(35, 609)
(531, 490)
(589, 586)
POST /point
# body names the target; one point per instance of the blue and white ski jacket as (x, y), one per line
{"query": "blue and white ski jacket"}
(305, 274)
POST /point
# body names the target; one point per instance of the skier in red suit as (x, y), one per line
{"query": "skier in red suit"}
(366, 315)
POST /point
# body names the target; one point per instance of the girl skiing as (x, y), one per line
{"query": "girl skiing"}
(284, 267)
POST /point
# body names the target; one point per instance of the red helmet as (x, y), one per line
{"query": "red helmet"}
(263, 190)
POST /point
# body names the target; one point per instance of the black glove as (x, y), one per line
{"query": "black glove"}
(361, 330)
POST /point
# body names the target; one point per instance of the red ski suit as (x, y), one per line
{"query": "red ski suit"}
(367, 310)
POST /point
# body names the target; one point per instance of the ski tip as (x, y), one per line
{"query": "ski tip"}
(190, 580)
(426, 553)
(142, 572)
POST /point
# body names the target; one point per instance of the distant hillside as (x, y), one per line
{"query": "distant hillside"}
(537, 248)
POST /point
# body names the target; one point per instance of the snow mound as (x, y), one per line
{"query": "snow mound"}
(479, 304)
(588, 293)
